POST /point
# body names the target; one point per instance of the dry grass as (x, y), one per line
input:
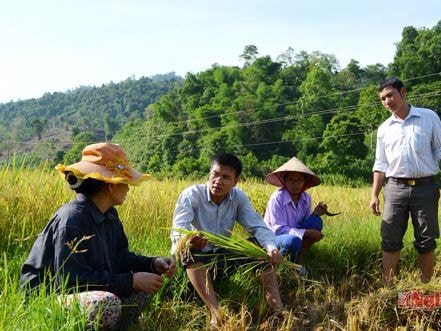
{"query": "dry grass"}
(344, 291)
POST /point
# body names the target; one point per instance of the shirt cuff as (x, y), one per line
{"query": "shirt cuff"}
(152, 264)
(270, 247)
(297, 232)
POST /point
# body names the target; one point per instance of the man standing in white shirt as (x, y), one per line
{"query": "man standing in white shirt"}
(215, 207)
(406, 160)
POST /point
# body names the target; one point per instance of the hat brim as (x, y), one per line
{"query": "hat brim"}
(293, 165)
(276, 178)
(85, 170)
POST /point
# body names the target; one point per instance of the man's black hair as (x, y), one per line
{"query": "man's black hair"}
(230, 160)
(392, 81)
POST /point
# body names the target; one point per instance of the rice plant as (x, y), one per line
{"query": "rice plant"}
(344, 292)
(234, 243)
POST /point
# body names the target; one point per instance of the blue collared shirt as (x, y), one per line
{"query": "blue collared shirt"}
(196, 211)
(409, 148)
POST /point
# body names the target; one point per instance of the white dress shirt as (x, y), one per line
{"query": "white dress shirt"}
(409, 148)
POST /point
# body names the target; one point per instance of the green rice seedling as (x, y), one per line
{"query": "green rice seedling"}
(234, 243)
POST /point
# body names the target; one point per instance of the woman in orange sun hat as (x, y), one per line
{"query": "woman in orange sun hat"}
(84, 247)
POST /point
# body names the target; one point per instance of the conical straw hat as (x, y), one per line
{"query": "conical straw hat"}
(294, 164)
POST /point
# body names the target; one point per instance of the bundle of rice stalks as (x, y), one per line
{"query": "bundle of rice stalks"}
(234, 244)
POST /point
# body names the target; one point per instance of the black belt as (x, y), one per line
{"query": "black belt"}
(412, 181)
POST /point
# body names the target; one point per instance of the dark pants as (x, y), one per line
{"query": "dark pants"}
(421, 203)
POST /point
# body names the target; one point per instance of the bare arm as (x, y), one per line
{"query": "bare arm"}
(379, 178)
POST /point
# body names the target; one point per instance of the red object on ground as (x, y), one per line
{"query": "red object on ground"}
(419, 299)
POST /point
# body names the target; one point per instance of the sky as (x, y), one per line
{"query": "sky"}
(57, 45)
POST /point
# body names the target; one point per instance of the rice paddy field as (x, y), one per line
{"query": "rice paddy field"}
(344, 290)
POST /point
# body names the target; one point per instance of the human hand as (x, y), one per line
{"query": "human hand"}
(314, 234)
(165, 265)
(147, 282)
(375, 206)
(198, 242)
(274, 256)
(320, 209)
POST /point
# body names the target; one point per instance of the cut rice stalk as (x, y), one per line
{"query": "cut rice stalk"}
(234, 243)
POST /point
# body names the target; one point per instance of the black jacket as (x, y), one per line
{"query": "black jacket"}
(84, 248)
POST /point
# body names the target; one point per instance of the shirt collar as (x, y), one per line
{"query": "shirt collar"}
(207, 191)
(286, 197)
(412, 112)
(97, 215)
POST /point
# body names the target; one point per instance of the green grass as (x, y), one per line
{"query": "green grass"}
(344, 292)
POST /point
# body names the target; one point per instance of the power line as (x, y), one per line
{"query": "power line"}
(267, 121)
(339, 93)
(276, 119)
(285, 118)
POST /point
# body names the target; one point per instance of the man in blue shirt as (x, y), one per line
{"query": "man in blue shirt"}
(215, 207)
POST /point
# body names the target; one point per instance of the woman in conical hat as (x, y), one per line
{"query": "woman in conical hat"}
(288, 212)
(84, 247)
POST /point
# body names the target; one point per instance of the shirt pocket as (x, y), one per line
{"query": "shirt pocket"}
(420, 141)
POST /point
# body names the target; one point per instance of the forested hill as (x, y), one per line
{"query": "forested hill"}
(266, 111)
(271, 109)
(47, 127)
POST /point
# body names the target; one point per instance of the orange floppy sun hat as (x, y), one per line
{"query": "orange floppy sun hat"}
(106, 162)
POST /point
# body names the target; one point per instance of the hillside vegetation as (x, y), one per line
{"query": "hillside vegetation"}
(266, 111)
(45, 128)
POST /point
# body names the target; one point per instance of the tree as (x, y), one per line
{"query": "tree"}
(427, 96)
(417, 54)
(306, 136)
(286, 58)
(374, 74)
(344, 149)
(37, 126)
(370, 113)
(109, 127)
(249, 54)
(342, 137)
(80, 141)
(318, 94)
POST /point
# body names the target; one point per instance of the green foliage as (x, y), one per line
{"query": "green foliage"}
(251, 166)
(187, 168)
(38, 127)
(301, 104)
(427, 96)
(342, 137)
(100, 110)
(418, 54)
(79, 142)
(249, 54)
(269, 110)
